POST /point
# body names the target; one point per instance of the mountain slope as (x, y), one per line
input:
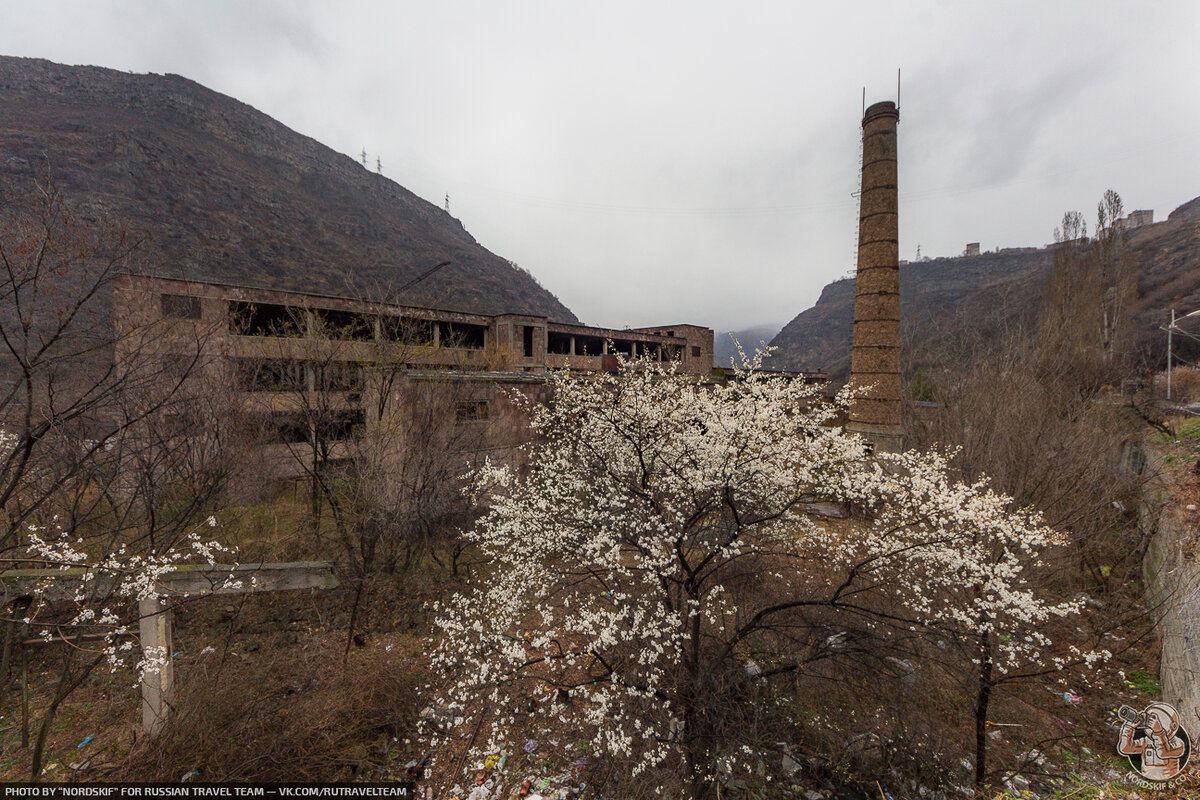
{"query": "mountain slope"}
(749, 338)
(1002, 285)
(228, 194)
(819, 337)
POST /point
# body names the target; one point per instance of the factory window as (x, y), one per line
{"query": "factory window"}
(461, 334)
(265, 319)
(341, 425)
(290, 427)
(695, 351)
(340, 376)
(471, 410)
(529, 341)
(407, 330)
(558, 343)
(589, 346)
(180, 306)
(346, 325)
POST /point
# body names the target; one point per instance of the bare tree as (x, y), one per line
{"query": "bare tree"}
(109, 450)
(1027, 399)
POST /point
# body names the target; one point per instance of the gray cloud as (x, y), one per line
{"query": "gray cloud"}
(694, 162)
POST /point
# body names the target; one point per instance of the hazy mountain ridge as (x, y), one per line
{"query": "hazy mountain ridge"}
(227, 193)
(1166, 255)
(749, 338)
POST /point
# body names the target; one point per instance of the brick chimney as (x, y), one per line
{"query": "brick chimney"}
(875, 357)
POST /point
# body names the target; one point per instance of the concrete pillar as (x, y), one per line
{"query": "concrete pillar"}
(572, 345)
(154, 627)
(875, 356)
(437, 334)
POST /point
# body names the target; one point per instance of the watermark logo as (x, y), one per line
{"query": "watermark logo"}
(1154, 741)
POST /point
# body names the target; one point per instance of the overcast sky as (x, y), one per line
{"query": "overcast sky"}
(695, 161)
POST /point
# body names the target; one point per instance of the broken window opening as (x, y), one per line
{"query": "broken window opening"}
(266, 319)
(462, 335)
(589, 346)
(341, 425)
(558, 344)
(289, 427)
(345, 325)
(408, 330)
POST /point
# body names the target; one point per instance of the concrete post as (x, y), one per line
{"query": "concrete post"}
(875, 356)
(154, 624)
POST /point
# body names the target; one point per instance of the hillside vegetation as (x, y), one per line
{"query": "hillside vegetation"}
(1000, 287)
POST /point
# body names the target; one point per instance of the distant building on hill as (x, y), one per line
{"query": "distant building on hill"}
(1136, 219)
(971, 250)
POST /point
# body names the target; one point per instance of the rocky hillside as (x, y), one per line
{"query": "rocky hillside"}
(226, 193)
(1167, 255)
(819, 338)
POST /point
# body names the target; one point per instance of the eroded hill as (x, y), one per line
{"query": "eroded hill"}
(227, 193)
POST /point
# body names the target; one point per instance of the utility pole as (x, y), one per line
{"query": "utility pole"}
(1170, 331)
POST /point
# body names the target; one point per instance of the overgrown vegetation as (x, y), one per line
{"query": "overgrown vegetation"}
(698, 589)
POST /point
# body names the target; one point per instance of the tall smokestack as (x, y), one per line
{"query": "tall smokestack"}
(875, 357)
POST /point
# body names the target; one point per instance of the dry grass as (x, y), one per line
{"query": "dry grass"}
(296, 713)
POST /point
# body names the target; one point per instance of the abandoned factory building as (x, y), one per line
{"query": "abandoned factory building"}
(314, 371)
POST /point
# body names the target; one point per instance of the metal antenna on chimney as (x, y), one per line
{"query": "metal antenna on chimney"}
(897, 92)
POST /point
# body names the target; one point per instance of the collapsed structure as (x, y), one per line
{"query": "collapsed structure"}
(875, 354)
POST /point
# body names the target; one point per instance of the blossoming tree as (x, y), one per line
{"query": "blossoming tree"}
(663, 566)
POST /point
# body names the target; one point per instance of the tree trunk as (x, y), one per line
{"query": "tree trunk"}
(983, 698)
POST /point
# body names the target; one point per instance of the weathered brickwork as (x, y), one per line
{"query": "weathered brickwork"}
(875, 355)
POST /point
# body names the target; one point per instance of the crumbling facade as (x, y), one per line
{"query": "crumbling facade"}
(310, 373)
(875, 354)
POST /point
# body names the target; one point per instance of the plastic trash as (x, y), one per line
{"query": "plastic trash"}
(86, 741)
